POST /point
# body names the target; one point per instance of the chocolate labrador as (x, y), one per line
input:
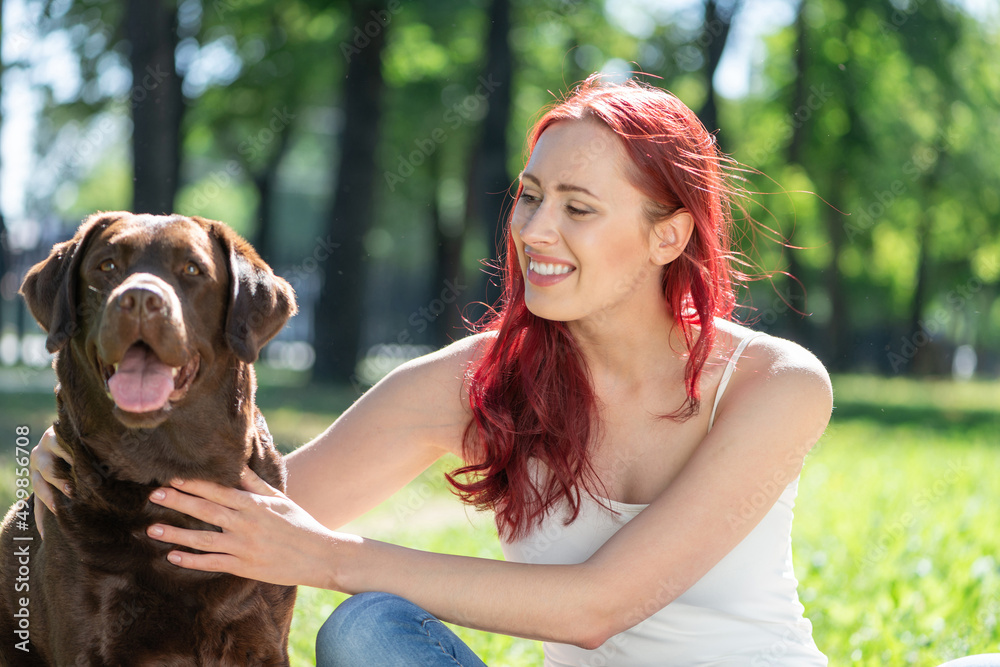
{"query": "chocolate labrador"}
(157, 321)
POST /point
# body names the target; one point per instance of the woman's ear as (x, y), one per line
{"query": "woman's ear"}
(670, 236)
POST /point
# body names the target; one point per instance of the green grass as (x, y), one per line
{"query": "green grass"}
(896, 537)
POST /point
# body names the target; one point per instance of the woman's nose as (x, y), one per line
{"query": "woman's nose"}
(539, 226)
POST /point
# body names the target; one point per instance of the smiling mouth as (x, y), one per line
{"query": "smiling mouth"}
(544, 269)
(141, 383)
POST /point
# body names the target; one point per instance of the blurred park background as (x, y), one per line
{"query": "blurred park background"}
(367, 149)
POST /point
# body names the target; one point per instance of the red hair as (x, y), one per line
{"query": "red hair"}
(530, 390)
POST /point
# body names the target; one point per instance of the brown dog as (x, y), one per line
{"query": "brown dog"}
(157, 320)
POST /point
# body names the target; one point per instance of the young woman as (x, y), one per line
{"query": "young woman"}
(641, 451)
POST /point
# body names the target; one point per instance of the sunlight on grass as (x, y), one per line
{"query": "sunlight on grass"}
(895, 537)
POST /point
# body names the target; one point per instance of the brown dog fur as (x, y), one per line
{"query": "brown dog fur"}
(99, 591)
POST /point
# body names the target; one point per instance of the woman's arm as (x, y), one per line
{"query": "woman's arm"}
(776, 408)
(403, 424)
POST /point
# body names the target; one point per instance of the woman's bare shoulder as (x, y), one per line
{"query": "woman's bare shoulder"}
(438, 378)
(774, 353)
(452, 358)
(776, 369)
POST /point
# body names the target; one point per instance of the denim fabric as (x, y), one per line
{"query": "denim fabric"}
(980, 660)
(379, 629)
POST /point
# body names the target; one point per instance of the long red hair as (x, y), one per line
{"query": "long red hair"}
(530, 391)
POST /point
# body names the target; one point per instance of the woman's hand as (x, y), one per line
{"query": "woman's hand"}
(44, 478)
(265, 536)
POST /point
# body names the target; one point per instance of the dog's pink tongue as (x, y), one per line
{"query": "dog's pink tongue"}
(142, 383)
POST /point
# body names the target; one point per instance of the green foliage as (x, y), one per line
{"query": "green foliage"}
(889, 113)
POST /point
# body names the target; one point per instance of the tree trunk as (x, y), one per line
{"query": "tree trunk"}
(920, 290)
(157, 104)
(489, 181)
(339, 310)
(265, 182)
(449, 282)
(718, 22)
(262, 237)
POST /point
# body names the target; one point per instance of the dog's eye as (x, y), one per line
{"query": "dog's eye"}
(192, 269)
(107, 266)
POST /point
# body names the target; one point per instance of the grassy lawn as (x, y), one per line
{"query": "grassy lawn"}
(895, 538)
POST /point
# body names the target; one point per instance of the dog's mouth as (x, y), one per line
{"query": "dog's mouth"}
(142, 383)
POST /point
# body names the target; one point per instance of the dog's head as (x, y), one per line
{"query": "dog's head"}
(149, 303)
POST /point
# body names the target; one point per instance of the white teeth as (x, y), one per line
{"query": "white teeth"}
(549, 269)
(175, 370)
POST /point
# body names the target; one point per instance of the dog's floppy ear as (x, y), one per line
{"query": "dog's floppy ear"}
(49, 288)
(259, 303)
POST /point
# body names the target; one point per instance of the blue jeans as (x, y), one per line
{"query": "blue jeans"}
(380, 629)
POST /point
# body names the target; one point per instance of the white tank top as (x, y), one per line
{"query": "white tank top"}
(745, 611)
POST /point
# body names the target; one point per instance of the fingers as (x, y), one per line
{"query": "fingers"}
(219, 546)
(202, 540)
(43, 461)
(214, 510)
(216, 493)
(44, 494)
(40, 508)
(44, 478)
(205, 562)
(51, 442)
(252, 482)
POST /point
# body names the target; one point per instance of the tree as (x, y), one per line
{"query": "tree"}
(251, 123)
(489, 182)
(157, 103)
(718, 23)
(339, 312)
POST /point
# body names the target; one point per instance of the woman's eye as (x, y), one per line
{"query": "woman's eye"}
(577, 211)
(192, 269)
(529, 199)
(107, 266)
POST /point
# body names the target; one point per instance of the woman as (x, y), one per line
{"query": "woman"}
(640, 450)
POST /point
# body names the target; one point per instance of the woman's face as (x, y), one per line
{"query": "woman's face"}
(585, 246)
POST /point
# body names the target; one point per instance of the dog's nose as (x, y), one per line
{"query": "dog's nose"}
(145, 300)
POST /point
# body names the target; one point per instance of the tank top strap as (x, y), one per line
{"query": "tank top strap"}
(728, 373)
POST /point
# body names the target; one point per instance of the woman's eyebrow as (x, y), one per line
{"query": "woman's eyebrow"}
(560, 187)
